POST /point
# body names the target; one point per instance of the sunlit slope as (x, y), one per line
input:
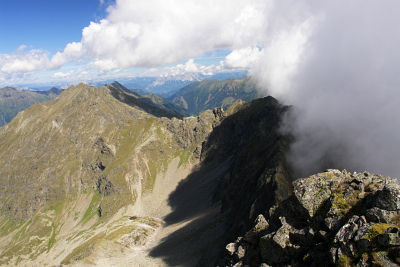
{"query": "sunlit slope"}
(74, 170)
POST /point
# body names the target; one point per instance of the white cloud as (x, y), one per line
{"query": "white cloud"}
(337, 63)
(71, 52)
(276, 64)
(103, 64)
(243, 58)
(62, 74)
(188, 68)
(153, 33)
(156, 32)
(23, 60)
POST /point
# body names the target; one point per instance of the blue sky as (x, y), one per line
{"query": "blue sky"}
(45, 24)
(66, 42)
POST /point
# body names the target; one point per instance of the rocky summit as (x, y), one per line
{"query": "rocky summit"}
(334, 218)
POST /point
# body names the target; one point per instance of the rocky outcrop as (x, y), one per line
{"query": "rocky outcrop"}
(333, 218)
(190, 132)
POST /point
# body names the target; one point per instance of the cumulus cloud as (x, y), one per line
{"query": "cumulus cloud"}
(71, 52)
(156, 32)
(62, 74)
(153, 33)
(189, 67)
(243, 58)
(24, 60)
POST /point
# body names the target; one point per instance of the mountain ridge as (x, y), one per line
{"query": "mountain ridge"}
(98, 177)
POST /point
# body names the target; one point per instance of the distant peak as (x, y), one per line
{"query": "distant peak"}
(117, 85)
(8, 89)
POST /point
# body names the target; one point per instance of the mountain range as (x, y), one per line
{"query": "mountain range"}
(189, 100)
(103, 176)
(199, 96)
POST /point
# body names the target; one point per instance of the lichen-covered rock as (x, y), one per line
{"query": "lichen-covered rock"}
(390, 238)
(349, 219)
(313, 191)
(381, 216)
(276, 247)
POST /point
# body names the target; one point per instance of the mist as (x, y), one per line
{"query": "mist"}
(338, 64)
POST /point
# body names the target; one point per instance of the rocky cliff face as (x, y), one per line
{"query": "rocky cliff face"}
(333, 218)
(249, 143)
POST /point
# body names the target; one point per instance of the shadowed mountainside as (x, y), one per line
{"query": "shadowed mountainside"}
(242, 172)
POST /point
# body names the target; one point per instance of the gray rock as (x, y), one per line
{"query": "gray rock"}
(313, 191)
(231, 248)
(241, 252)
(336, 223)
(388, 239)
(333, 254)
(276, 247)
(332, 223)
(349, 230)
(382, 260)
(362, 262)
(362, 242)
(388, 199)
(261, 225)
(378, 215)
(303, 237)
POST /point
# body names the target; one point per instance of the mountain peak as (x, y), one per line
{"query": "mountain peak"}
(8, 89)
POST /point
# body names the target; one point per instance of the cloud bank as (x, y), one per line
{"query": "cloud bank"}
(339, 69)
